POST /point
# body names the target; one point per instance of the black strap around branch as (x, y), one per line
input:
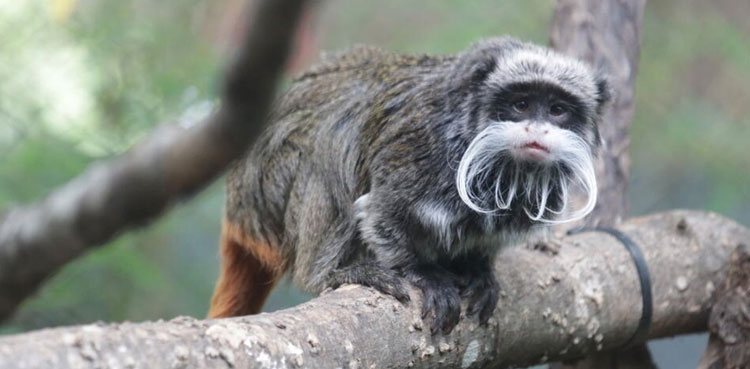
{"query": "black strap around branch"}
(644, 324)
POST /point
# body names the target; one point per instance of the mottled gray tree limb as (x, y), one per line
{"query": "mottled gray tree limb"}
(129, 191)
(560, 299)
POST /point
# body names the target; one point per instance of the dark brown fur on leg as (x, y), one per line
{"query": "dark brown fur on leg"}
(249, 270)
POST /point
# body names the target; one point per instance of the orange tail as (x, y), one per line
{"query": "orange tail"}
(249, 270)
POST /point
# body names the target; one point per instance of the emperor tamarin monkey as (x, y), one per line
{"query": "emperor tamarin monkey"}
(380, 169)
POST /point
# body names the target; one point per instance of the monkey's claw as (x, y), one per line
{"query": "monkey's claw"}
(483, 291)
(440, 297)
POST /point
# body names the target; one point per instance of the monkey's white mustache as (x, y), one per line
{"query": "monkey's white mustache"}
(571, 164)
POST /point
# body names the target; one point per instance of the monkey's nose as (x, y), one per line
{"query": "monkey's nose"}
(536, 128)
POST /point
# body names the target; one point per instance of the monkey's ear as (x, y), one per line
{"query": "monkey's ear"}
(471, 71)
(476, 63)
(481, 69)
(603, 92)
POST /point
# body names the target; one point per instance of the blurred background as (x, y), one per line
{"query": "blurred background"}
(83, 80)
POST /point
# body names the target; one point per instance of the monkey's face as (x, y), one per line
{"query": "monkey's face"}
(536, 144)
(532, 130)
(544, 112)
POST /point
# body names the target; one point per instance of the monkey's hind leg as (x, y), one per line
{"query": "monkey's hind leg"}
(249, 270)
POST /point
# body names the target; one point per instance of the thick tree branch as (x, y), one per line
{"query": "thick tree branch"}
(560, 300)
(36, 240)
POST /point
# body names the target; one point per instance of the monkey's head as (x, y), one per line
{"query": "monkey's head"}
(532, 132)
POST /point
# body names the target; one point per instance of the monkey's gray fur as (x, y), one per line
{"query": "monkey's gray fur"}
(356, 179)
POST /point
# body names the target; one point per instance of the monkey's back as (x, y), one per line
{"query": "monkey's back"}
(295, 187)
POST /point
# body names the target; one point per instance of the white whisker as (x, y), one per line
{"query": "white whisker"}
(488, 154)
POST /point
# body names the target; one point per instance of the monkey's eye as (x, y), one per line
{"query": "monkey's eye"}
(521, 105)
(557, 110)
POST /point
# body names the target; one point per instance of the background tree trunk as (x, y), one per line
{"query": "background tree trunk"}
(607, 34)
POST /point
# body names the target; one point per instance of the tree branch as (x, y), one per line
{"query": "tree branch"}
(560, 300)
(110, 197)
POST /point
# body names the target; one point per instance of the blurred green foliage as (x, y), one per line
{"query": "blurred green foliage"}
(87, 85)
(84, 80)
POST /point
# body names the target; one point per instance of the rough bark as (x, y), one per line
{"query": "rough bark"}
(561, 299)
(607, 33)
(729, 322)
(36, 240)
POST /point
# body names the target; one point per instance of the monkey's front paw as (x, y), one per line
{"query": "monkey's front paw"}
(440, 297)
(371, 275)
(483, 292)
